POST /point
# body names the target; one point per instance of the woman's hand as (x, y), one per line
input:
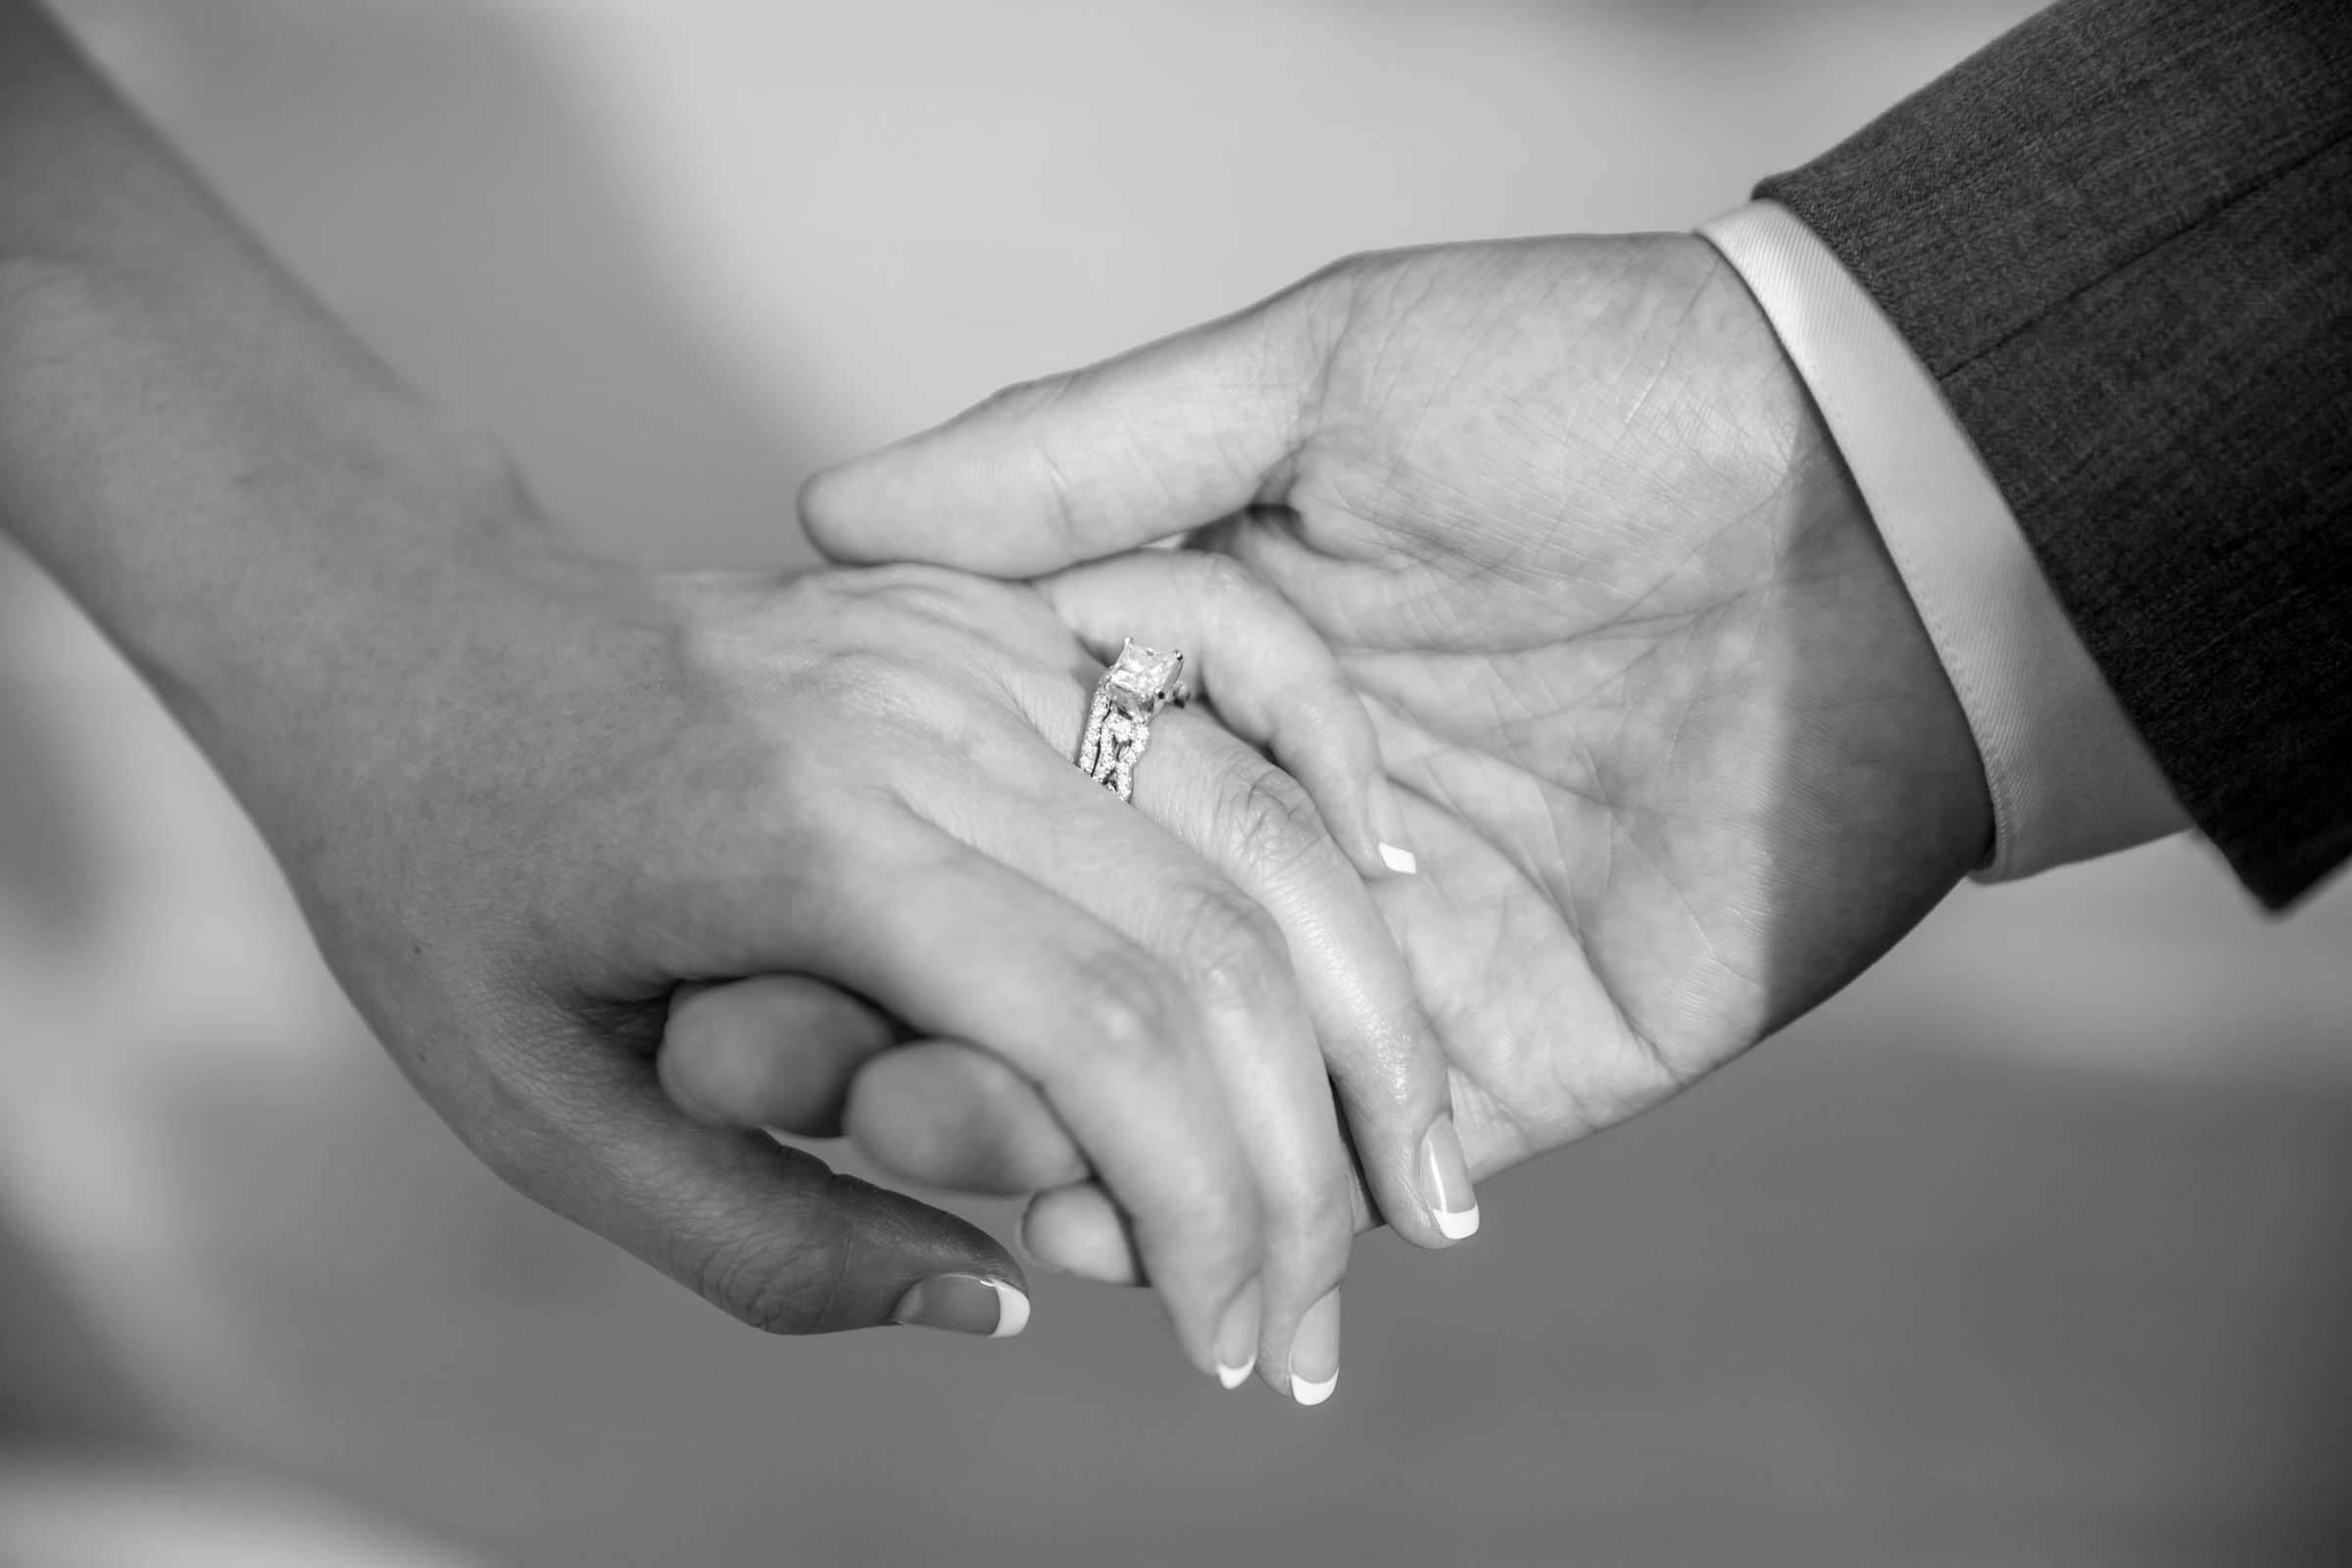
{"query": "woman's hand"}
(522, 794)
(777, 1051)
(862, 777)
(445, 722)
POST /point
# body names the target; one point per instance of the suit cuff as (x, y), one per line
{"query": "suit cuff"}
(2069, 776)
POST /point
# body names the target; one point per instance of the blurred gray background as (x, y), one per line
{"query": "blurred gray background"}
(2033, 1248)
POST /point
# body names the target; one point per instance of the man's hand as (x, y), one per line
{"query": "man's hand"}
(1679, 758)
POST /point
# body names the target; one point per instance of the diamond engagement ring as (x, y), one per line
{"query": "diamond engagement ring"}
(1119, 724)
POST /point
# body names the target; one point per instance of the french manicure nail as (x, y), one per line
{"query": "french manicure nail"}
(1446, 1182)
(1387, 829)
(964, 1304)
(1237, 1337)
(1315, 1351)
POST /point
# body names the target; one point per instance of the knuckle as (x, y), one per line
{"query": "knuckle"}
(1227, 1225)
(1231, 950)
(855, 679)
(1021, 397)
(1331, 296)
(1321, 1218)
(1226, 582)
(924, 594)
(774, 1288)
(899, 707)
(1265, 818)
(1127, 1010)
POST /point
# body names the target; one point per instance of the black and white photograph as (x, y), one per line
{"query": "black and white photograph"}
(1105, 782)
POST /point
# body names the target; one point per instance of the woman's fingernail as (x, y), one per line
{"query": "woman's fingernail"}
(1387, 827)
(1446, 1182)
(1315, 1351)
(1237, 1337)
(964, 1304)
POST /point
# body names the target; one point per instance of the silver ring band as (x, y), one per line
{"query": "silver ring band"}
(1118, 726)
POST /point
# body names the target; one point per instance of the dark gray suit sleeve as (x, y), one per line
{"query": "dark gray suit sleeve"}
(2121, 239)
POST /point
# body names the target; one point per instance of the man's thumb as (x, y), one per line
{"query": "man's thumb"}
(1090, 462)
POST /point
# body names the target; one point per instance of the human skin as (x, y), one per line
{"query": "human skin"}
(1675, 749)
(524, 794)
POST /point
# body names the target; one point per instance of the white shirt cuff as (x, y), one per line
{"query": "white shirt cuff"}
(2069, 776)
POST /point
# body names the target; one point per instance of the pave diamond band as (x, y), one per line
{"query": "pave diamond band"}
(1118, 726)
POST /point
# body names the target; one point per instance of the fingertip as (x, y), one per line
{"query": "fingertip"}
(1397, 1101)
(1015, 1308)
(1312, 1371)
(977, 1304)
(1443, 1178)
(1235, 1348)
(1078, 1231)
(1392, 843)
(834, 507)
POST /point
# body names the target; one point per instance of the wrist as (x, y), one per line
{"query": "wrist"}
(1861, 634)
(2069, 776)
(1879, 797)
(1948, 787)
(266, 530)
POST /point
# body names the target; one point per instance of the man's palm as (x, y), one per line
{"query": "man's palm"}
(1679, 756)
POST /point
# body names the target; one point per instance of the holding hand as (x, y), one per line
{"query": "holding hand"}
(1296, 914)
(1678, 759)
(523, 794)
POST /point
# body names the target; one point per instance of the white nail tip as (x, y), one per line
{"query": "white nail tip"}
(1013, 1311)
(1456, 1223)
(1233, 1377)
(1313, 1394)
(1400, 862)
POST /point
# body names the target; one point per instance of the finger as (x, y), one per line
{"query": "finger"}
(1232, 959)
(1254, 823)
(1078, 1229)
(1271, 676)
(955, 1116)
(775, 1051)
(765, 1232)
(1090, 462)
(1075, 1230)
(1314, 1369)
(797, 1056)
(1109, 1034)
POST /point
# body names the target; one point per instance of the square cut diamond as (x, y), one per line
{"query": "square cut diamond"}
(1142, 674)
